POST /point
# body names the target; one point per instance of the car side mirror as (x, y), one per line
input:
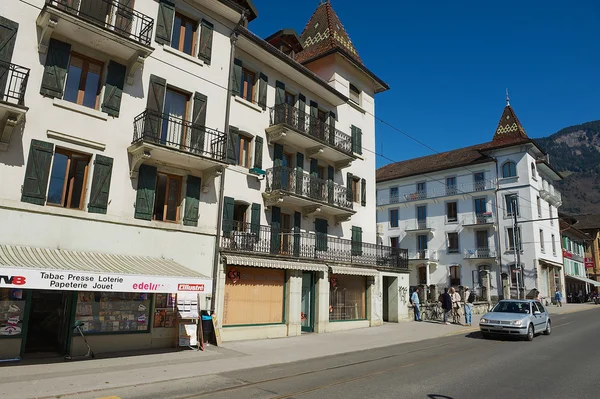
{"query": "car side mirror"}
(537, 312)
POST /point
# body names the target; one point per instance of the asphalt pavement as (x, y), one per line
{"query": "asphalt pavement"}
(462, 366)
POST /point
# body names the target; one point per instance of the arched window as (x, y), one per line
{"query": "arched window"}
(533, 171)
(455, 276)
(509, 169)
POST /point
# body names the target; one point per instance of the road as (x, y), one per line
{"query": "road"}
(561, 365)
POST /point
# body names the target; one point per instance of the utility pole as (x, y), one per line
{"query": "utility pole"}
(517, 242)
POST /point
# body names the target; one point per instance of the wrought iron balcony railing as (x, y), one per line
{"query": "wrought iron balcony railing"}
(111, 14)
(297, 182)
(480, 253)
(310, 126)
(478, 219)
(171, 131)
(248, 237)
(422, 254)
(388, 197)
(13, 83)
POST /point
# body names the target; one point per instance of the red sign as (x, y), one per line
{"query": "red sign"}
(589, 263)
(567, 254)
(190, 287)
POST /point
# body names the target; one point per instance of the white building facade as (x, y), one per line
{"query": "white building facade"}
(454, 213)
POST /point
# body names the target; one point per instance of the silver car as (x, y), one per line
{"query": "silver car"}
(524, 318)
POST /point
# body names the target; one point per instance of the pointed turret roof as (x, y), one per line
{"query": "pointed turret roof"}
(323, 33)
(509, 128)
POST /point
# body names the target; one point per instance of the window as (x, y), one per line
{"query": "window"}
(454, 276)
(356, 189)
(539, 206)
(168, 198)
(509, 169)
(509, 204)
(347, 297)
(184, 34)
(393, 195)
(550, 213)
(394, 217)
(354, 94)
(451, 212)
(394, 242)
(175, 111)
(68, 179)
(480, 206)
(421, 188)
(83, 81)
(511, 237)
(422, 243)
(243, 151)
(479, 179)
(553, 245)
(451, 186)
(422, 216)
(131, 310)
(453, 243)
(542, 240)
(239, 215)
(422, 275)
(533, 171)
(12, 311)
(247, 88)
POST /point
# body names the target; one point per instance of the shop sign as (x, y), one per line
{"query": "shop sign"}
(567, 254)
(87, 281)
(589, 263)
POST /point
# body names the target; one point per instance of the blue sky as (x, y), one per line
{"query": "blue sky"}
(448, 64)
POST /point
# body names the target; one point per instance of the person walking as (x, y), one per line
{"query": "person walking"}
(446, 304)
(469, 299)
(558, 297)
(414, 299)
(455, 296)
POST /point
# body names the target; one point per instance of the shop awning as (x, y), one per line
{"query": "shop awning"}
(354, 271)
(585, 280)
(42, 268)
(274, 263)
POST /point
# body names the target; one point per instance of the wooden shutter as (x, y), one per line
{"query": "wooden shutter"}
(233, 139)
(258, 152)
(314, 120)
(301, 112)
(124, 20)
(321, 234)
(206, 38)
(144, 201)
(164, 22)
(297, 225)
(358, 141)
(100, 184)
(198, 123)
(255, 220)
(314, 167)
(228, 205)
(299, 172)
(363, 192)
(192, 200)
(113, 90)
(277, 154)
(356, 241)
(331, 128)
(262, 90)
(236, 77)
(280, 111)
(55, 69)
(354, 138)
(37, 172)
(8, 38)
(155, 103)
(330, 184)
(349, 179)
(275, 229)
(315, 186)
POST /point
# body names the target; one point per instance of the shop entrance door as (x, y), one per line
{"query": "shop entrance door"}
(48, 326)
(307, 307)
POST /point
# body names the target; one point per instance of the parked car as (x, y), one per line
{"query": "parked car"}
(524, 318)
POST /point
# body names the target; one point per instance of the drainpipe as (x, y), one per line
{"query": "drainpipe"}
(233, 39)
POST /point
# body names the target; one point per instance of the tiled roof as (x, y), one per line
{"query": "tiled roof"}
(324, 32)
(587, 222)
(509, 128)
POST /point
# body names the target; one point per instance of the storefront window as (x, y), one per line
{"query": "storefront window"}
(12, 310)
(110, 312)
(164, 310)
(347, 297)
(253, 295)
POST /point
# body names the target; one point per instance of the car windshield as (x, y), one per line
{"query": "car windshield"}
(511, 307)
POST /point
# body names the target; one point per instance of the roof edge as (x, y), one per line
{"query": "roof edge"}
(416, 173)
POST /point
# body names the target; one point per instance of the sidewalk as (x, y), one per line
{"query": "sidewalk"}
(52, 379)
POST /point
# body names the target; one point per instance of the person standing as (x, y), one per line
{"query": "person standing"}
(558, 297)
(469, 299)
(414, 299)
(455, 296)
(446, 304)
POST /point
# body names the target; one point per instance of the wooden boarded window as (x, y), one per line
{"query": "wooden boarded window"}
(253, 295)
(347, 297)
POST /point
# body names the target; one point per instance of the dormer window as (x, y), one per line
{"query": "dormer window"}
(354, 94)
(509, 169)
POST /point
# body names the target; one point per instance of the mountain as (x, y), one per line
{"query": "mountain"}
(575, 152)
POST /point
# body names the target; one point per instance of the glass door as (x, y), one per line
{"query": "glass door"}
(307, 306)
(175, 112)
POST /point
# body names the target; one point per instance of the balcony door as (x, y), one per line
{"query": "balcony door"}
(421, 245)
(175, 111)
(421, 216)
(481, 238)
(290, 111)
(286, 236)
(287, 172)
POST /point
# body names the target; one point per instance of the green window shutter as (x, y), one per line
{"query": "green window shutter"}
(301, 112)
(262, 90)
(314, 167)
(356, 241)
(55, 69)
(331, 122)
(314, 119)
(363, 192)
(358, 141)
(155, 103)
(315, 185)
(100, 184)
(280, 106)
(144, 201)
(124, 20)
(228, 205)
(236, 77)
(277, 154)
(349, 196)
(255, 219)
(37, 172)
(321, 234)
(354, 139)
(233, 139)
(113, 90)
(8, 38)
(258, 152)
(164, 22)
(297, 225)
(299, 172)
(275, 229)
(192, 200)
(198, 123)
(330, 185)
(206, 38)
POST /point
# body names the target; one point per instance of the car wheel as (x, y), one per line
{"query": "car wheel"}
(548, 329)
(529, 336)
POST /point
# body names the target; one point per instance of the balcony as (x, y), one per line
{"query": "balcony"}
(423, 254)
(550, 194)
(384, 197)
(13, 83)
(480, 253)
(418, 226)
(176, 142)
(311, 193)
(479, 219)
(108, 26)
(252, 238)
(290, 126)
